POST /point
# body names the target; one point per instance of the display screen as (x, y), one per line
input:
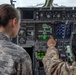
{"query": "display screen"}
(27, 14)
(43, 31)
(63, 31)
(40, 55)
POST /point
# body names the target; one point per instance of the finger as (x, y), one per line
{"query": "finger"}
(51, 37)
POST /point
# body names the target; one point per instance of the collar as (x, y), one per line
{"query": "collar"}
(3, 36)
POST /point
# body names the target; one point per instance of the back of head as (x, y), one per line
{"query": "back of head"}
(7, 12)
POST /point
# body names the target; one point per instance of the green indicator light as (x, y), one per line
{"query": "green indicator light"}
(42, 56)
(38, 54)
(39, 57)
(38, 36)
(44, 37)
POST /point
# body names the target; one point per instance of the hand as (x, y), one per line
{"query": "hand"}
(51, 42)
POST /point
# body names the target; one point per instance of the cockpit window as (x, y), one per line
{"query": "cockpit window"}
(40, 3)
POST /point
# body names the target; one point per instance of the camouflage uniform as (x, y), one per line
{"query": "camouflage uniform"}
(14, 60)
(54, 66)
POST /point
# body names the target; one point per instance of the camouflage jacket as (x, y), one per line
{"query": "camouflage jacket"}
(14, 60)
(54, 66)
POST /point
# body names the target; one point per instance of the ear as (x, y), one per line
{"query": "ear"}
(14, 22)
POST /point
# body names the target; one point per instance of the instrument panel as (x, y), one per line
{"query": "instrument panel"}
(63, 31)
(44, 31)
(57, 13)
(39, 24)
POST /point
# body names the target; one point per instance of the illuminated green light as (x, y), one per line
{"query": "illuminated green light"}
(44, 37)
(40, 55)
